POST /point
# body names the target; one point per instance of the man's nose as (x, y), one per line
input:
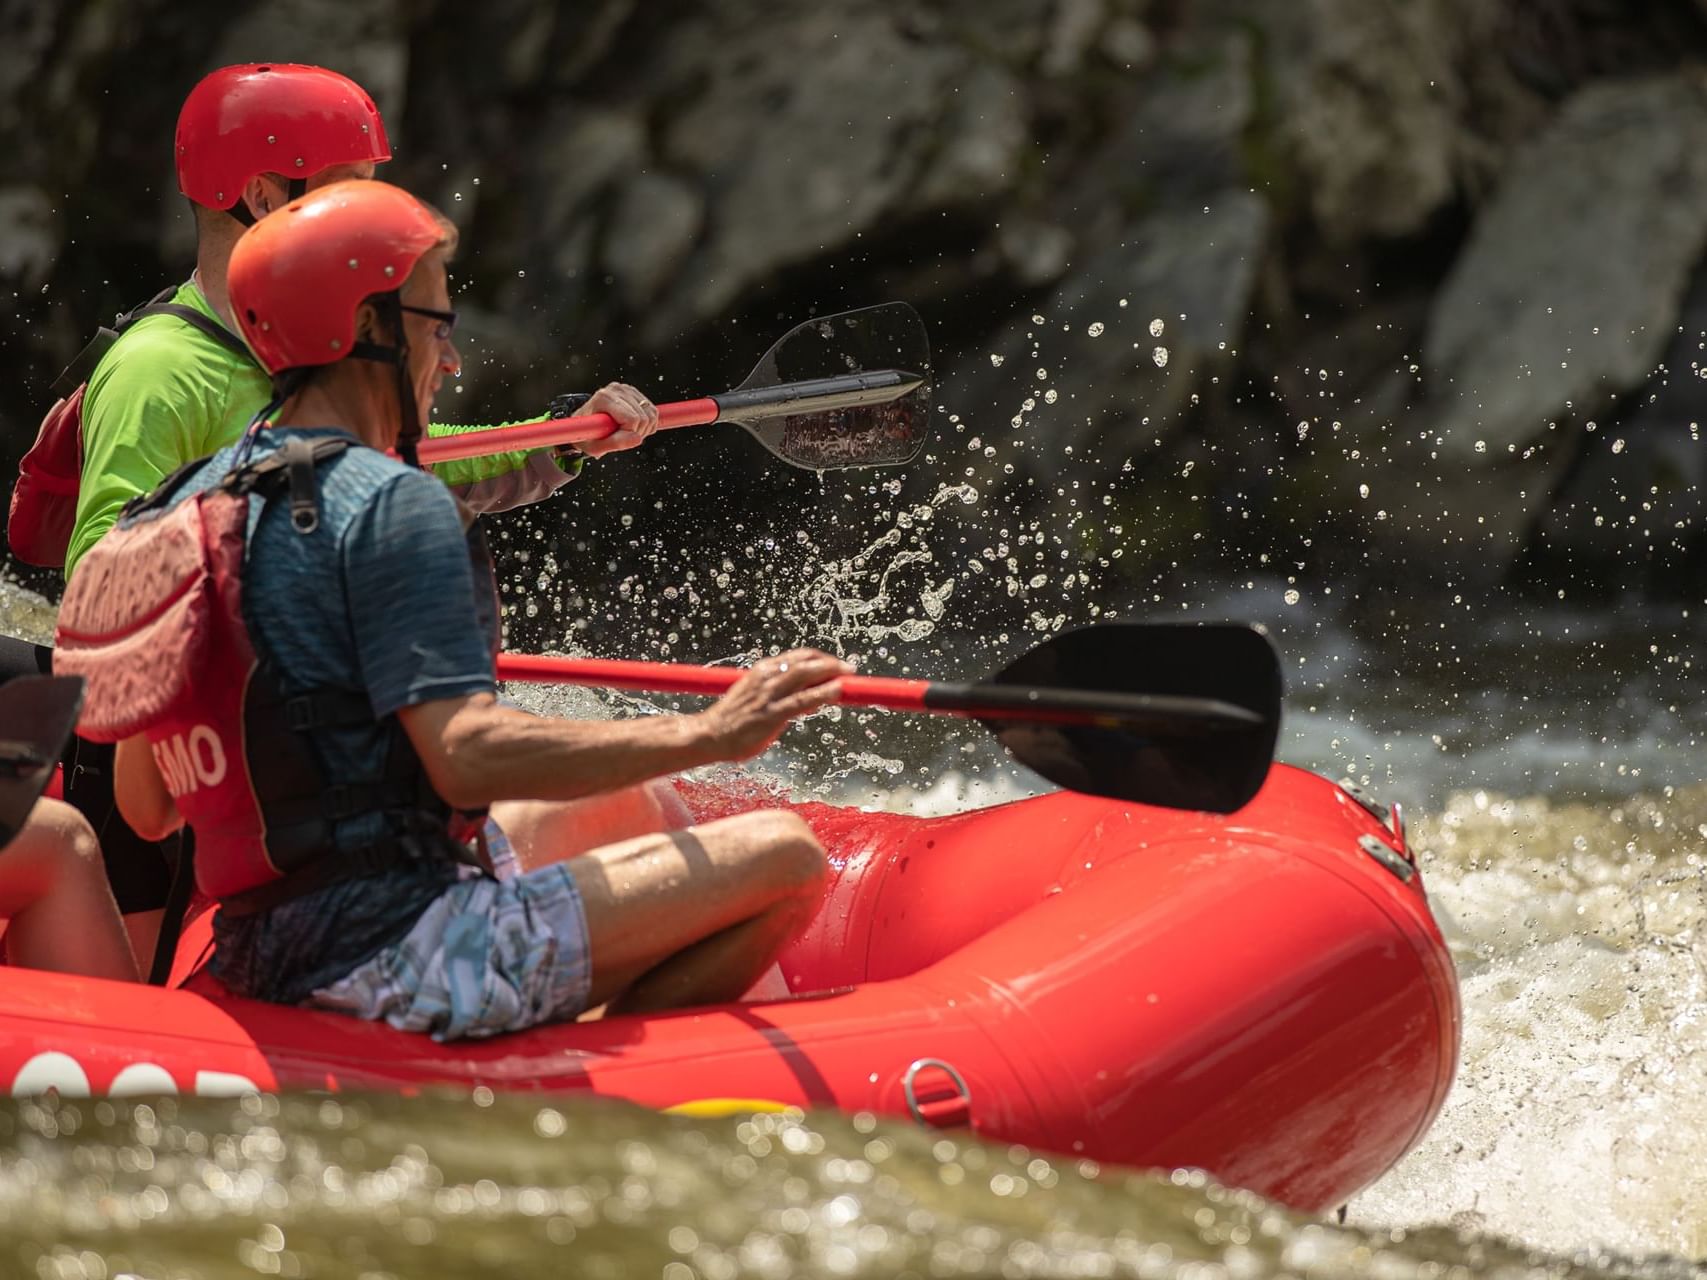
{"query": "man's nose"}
(451, 360)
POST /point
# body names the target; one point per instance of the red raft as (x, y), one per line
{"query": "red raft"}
(1265, 996)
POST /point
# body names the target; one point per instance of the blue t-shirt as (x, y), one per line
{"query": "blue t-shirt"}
(382, 600)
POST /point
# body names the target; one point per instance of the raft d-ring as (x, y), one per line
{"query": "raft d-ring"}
(941, 1099)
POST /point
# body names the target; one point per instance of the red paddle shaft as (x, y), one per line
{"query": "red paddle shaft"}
(665, 677)
(1069, 706)
(556, 431)
(745, 405)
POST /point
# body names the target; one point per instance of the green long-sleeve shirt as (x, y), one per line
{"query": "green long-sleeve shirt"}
(167, 393)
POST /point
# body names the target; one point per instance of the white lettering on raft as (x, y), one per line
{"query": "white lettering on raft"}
(62, 1074)
(189, 765)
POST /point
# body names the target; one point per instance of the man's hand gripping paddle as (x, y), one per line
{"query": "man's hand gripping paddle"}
(848, 390)
(1164, 714)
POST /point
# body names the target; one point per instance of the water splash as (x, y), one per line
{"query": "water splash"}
(1576, 1121)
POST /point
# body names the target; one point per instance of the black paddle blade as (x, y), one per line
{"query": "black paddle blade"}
(1182, 767)
(37, 715)
(888, 340)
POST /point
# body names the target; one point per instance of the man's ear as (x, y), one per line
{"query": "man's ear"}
(367, 323)
(262, 195)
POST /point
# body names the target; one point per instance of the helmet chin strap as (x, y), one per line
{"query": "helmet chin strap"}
(390, 306)
(286, 383)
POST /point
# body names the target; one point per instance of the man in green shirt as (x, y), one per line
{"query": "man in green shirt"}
(250, 139)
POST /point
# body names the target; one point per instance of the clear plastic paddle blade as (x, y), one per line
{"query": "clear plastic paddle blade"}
(872, 340)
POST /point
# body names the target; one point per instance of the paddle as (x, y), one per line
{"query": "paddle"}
(848, 390)
(1165, 714)
(37, 715)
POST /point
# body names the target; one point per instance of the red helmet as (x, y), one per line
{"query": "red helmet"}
(251, 119)
(297, 278)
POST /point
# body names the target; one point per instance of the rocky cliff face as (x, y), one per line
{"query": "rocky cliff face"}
(1411, 284)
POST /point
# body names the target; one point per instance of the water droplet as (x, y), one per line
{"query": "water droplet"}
(1481, 446)
(995, 361)
(1291, 596)
(1095, 330)
(1618, 445)
(1160, 356)
(1037, 319)
(1156, 327)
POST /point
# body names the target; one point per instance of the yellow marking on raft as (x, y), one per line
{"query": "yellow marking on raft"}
(713, 1108)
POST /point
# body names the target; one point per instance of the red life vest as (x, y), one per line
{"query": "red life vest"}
(153, 621)
(44, 498)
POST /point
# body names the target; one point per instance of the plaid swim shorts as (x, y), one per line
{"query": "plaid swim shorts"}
(488, 956)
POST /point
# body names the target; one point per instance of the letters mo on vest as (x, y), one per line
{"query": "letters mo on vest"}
(153, 620)
(190, 761)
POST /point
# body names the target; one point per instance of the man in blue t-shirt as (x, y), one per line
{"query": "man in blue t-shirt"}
(346, 306)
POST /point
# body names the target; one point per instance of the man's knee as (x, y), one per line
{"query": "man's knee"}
(793, 858)
(67, 830)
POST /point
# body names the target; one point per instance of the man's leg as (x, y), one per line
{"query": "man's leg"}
(54, 890)
(695, 916)
(140, 871)
(542, 832)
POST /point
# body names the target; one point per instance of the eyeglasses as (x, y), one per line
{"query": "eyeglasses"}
(446, 319)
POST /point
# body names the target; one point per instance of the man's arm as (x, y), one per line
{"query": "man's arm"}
(502, 481)
(140, 791)
(477, 752)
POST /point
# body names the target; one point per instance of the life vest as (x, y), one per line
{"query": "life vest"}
(43, 513)
(153, 620)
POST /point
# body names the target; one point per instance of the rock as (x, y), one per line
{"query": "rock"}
(1015, 32)
(1633, 508)
(1128, 43)
(1190, 270)
(30, 30)
(1544, 315)
(983, 135)
(1076, 26)
(816, 127)
(29, 235)
(1036, 252)
(1362, 108)
(364, 41)
(1179, 136)
(652, 229)
(580, 154)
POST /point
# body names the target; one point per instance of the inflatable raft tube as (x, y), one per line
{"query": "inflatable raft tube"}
(1265, 996)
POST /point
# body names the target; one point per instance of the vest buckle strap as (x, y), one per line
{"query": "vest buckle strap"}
(343, 801)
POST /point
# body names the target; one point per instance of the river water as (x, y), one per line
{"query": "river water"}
(1551, 761)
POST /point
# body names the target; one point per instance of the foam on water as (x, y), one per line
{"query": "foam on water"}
(1580, 1111)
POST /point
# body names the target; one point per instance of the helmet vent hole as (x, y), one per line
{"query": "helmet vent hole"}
(250, 313)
